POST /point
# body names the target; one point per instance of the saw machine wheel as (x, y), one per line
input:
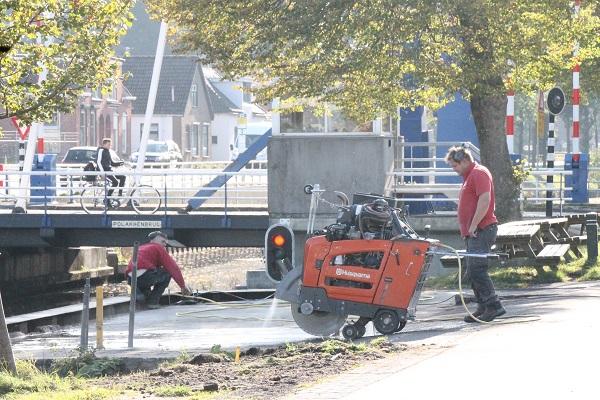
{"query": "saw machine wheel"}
(350, 332)
(361, 330)
(401, 326)
(318, 323)
(386, 321)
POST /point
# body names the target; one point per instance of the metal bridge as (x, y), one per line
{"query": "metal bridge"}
(234, 214)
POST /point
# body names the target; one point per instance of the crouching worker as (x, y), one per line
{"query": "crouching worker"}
(155, 270)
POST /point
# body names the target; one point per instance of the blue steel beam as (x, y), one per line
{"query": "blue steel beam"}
(243, 159)
(71, 230)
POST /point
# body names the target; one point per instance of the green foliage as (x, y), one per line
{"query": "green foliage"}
(291, 348)
(73, 41)
(206, 395)
(380, 341)
(86, 364)
(521, 171)
(525, 276)
(334, 346)
(29, 383)
(27, 379)
(216, 349)
(76, 394)
(370, 57)
(173, 391)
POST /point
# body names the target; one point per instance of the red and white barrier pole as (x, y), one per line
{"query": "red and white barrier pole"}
(510, 121)
(576, 97)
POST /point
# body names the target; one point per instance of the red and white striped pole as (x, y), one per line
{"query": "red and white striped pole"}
(576, 70)
(510, 121)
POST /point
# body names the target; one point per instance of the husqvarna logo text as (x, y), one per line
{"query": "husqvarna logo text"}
(339, 271)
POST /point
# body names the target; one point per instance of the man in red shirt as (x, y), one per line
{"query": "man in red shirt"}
(155, 270)
(478, 226)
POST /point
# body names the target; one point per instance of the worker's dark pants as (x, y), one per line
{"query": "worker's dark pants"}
(151, 285)
(477, 272)
(116, 181)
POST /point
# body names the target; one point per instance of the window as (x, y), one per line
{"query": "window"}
(112, 94)
(101, 127)
(238, 131)
(195, 140)
(124, 132)
(194, 95)
(93, 136)
(153, 135)
(75, 156)
(115, 132)
(246, 86)
(215, 140)
(339, 122)
(303, 121)
(82, 126)
(205, 140)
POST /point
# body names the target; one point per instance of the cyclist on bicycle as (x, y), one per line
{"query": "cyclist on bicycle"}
(105, 163)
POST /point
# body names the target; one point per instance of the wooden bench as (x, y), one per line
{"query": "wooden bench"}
(552, 253)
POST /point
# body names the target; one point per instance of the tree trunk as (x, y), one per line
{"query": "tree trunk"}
(489, 112)
(6, 353)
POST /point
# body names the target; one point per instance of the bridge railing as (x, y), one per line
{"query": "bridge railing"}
(534, 190)
(247, 188)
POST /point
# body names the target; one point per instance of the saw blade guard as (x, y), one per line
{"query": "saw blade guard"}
(318, 323)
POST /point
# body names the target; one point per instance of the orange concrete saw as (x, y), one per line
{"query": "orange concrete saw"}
(370, 264)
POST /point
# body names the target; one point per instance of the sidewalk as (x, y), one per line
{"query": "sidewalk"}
(172, 330)
(546, 358)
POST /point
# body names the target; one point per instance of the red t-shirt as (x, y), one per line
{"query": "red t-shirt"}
(154, 255)
(477, 181)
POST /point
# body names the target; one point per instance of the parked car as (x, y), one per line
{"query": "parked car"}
(160, 152)
(80, 155)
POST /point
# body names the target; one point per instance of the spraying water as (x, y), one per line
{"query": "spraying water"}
(271, 312)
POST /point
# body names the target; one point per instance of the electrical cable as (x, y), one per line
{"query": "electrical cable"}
(507, 320)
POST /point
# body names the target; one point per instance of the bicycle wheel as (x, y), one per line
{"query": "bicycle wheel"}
(92, 200)
(145, 199)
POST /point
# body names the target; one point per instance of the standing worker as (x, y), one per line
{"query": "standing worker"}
(478, 227)
(155, 270)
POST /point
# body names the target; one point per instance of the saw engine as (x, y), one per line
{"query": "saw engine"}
(370, 264)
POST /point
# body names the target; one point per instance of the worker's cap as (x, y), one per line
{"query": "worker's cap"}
(170, 242)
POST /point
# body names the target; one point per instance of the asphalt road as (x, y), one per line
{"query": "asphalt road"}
(548, 350)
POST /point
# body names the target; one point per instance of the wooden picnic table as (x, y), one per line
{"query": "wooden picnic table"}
(518, 240)
(554, 231)
(543, 241)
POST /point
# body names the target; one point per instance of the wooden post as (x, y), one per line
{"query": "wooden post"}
(6, 353)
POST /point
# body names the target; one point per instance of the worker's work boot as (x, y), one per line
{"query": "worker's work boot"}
(480, 310)
(492, 311)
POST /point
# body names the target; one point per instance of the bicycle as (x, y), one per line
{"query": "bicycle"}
(144, 199)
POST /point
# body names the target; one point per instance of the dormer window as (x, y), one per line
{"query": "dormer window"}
(194, 95)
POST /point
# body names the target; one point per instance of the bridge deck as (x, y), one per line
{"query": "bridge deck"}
(73, 228)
